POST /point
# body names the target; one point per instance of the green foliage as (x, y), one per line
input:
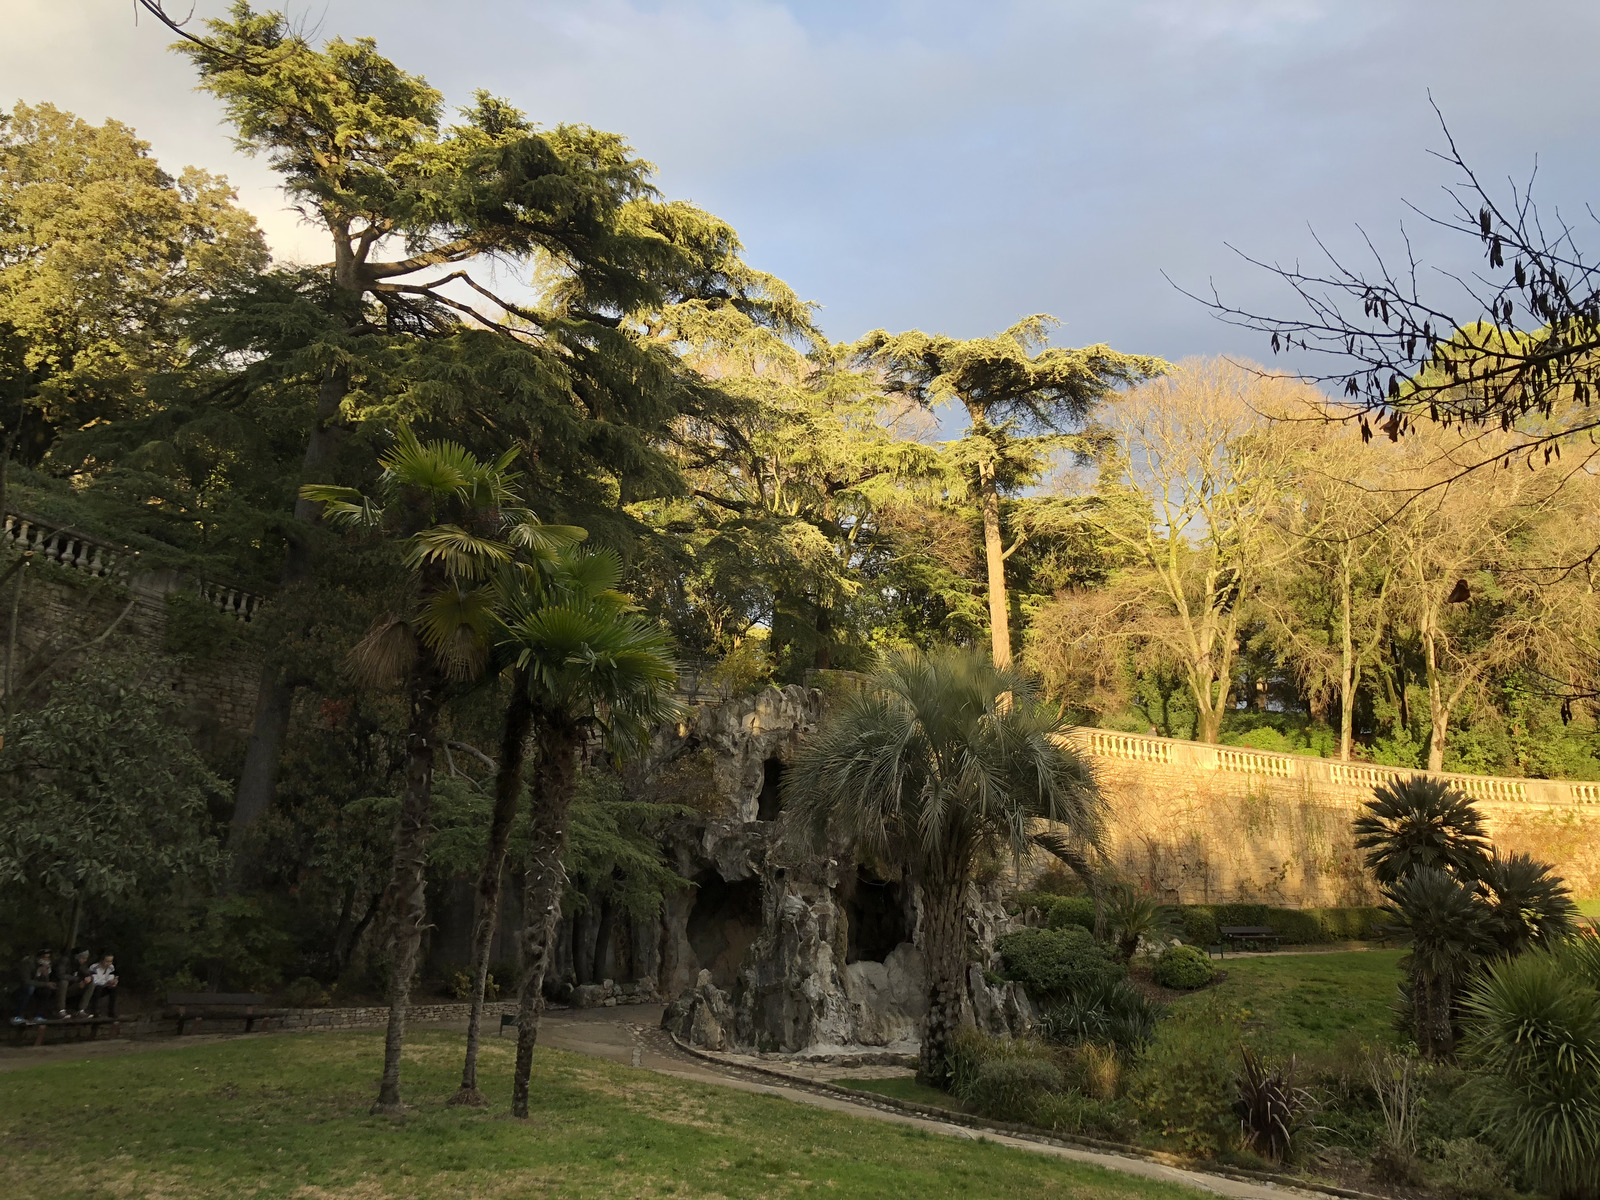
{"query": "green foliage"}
(459, 984)
(1530, 905)
(1105, 1011)
(1183, 967)
(1198, 926)
(1182, 1088)
(1010, 1089)
(1422, 822)
(304, 992)
(241, 936)
(1533, 1036)
(614, 847)
(1056, 963)
(1134, 916)
(1072, 910)
(1450, 936)
(105, 801)
(1464, 1168)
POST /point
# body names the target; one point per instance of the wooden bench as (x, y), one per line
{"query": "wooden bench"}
(40, 1028)
(1391, 933)
(1244, 934)
(195, 1007)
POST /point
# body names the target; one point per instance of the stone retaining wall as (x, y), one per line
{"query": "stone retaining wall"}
(1215, 824)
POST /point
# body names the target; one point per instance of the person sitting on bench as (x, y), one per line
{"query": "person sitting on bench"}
(37, 976)
(103, 983)
(75, 984)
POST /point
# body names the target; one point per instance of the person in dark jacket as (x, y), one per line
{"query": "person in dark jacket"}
(37, 978)
(76, 984)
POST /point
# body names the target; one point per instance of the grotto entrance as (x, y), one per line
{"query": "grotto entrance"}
(769, 804)
(725, 919)
(877, 915)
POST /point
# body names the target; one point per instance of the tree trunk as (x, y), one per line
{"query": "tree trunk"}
(507, 789)
(1347, 663)
(945, 944)
(408, 879)
(605, 933)
(995, 561)
(542, 886)
(258, 779)
(1438, 706)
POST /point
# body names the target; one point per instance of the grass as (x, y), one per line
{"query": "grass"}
(1590, 908)
(286, 1116)
(901, 1087)
(1308, 1004)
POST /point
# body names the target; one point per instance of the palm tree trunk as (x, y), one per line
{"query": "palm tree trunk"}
(944, 942)
(995, 560)
(408, 878)
(507, 788)
(543, 882)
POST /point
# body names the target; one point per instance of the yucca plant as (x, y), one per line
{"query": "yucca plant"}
(459, 529)
(1450, 936)
(1532, 1033)
(1530, 905)
(940, 762)
(1272, 1108)
(1422, 822)
(1108, 1010)
(1133, 915)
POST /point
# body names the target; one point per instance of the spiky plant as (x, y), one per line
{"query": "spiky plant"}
(1450, 936)
(1133, 915)
(1421, 822)
(1272, 1108)
(1529, 903)
(940, 762)
(1532, 1026)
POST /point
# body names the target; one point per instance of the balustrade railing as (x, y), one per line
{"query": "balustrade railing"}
(1358, 777)
(100, 559)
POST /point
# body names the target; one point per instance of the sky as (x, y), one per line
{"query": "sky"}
(955, 166)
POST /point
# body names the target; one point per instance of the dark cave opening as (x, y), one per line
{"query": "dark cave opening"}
(877, 915)
(769, 804)
(725, 919)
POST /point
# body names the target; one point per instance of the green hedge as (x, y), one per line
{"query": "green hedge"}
(1201, 924)
(1071, 910)
(1055, 963)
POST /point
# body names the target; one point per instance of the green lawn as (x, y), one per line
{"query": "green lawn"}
(286, 1116)
(1308, 1004)
(902, 1087)
(1590, 908)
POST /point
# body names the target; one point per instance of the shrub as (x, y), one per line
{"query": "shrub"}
(1465, 1169)
(459, 984)
(1533, 1033)
(1076, 1113)
(1183, 967)
(305, 992)
(1055, 963)
(1072, 910)
(1182, 1088)
(1197, 925)
(1111, 1010)
(1347, 924)
(1010, 1089)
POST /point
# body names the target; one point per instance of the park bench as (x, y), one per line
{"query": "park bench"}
(69, 1024)
(1245, 934)
(1391, 933)
(195, 1007)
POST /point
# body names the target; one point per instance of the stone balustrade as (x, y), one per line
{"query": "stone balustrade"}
(97, 559)
(1322, 775)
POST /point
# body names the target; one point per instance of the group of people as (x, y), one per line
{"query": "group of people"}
(74, 986)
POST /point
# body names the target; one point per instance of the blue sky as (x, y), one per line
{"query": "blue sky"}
(954, 166)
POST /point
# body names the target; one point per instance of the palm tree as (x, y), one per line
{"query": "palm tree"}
(942, 760)
(592, 667)
(1422, 822)
(1450, 936)
(1529, 904)
(453, 517)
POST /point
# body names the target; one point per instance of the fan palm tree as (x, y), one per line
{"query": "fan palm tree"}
(591, 666)
(1530, 905)
(941, 761)
(1422, 822)
(459, 530)
(1450, 936)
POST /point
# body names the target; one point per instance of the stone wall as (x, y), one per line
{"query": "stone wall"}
(1214, 824)
(80, 597)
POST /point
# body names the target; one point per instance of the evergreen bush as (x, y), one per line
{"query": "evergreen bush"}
(1010, 1089)
(1183, 967)
(1072, 910)
(1056, 963)
(1182, 1089)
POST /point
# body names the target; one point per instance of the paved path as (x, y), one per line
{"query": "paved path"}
(631, 1036)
